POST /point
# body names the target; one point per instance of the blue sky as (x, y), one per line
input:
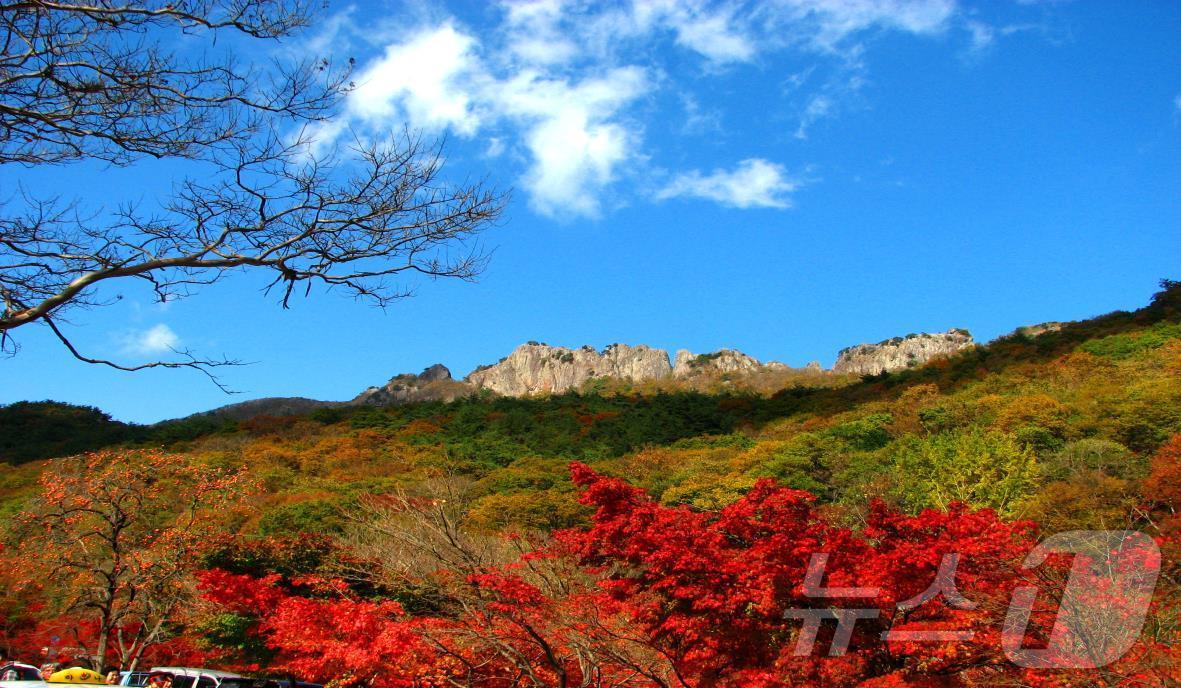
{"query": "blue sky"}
(785, 178)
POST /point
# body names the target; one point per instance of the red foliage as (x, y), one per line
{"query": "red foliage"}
(690, 574)
(669, 596)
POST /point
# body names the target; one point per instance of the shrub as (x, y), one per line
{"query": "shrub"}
(314, 516)
(1094, 454)
(1122, 346)
(864, 434)
(980, 468)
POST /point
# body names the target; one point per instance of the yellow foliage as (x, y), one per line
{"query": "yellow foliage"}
(1034, 409)
(707, 492)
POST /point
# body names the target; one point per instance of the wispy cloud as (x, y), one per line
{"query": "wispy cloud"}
(818, 107)
(755, 183)
(829, 24)
(699, 120)
(982, 35)
(158, 339)
(561, 84)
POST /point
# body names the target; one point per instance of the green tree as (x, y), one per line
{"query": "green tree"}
(982, 468)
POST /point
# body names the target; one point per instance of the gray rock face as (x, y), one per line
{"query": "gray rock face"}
(689, 364)
(435, 373)
(535, 368)
(432, 384)
(1039, 329)
(900, 353)
(531, 368)
(539, 368)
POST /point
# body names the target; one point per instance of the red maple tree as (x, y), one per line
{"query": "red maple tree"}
(657, 596)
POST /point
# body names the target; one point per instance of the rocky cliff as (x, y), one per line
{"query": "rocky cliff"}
(1039, 329)
(900, 353)
(433, 384)
(535, 368)
(689, 364)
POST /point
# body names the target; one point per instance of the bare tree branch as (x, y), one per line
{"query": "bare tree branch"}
(90, 80)
(205, 366)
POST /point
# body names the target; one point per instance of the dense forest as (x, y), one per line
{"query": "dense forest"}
(627, 535)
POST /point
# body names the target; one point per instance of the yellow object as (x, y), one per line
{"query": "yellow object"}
(77, 676)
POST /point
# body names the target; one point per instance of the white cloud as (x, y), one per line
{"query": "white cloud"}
(534, 32)
(720, 34)
(831, 22)
(575, 145)
(755, 183)
(713, 35)
(818, 107)
(982, 35)
(1177, 103)
(699, 120)
(495, 147)
(423, 77)
(331, 34)
(154, 340)
(559, 81)
(437, 80)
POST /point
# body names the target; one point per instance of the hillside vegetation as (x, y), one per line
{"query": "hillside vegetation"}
(1052, 413)
(1058, 429)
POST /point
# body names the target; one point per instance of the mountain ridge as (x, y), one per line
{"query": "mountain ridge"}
(537, 368)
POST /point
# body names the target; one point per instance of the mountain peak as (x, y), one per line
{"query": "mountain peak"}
(900, 353)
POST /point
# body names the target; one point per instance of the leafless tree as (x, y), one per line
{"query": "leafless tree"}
(420, 543)
(100, 80)
(404, 538)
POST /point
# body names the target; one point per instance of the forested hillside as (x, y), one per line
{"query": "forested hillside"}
(1068, 429)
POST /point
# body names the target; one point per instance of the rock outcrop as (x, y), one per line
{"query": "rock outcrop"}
(433, 384)
(535, 368)
(1039, 329)
(900, 353)
(723, 361)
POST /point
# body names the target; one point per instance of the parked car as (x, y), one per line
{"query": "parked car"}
(264, 682)
(17, 675)
(182, 677)
(15, 671)
(133, 678)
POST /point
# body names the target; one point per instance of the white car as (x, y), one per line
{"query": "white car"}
(17, 675)
(182, 677)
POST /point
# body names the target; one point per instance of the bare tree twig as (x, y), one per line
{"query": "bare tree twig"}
(90, 80)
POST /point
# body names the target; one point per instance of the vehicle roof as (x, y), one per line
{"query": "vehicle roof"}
(193, 671)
